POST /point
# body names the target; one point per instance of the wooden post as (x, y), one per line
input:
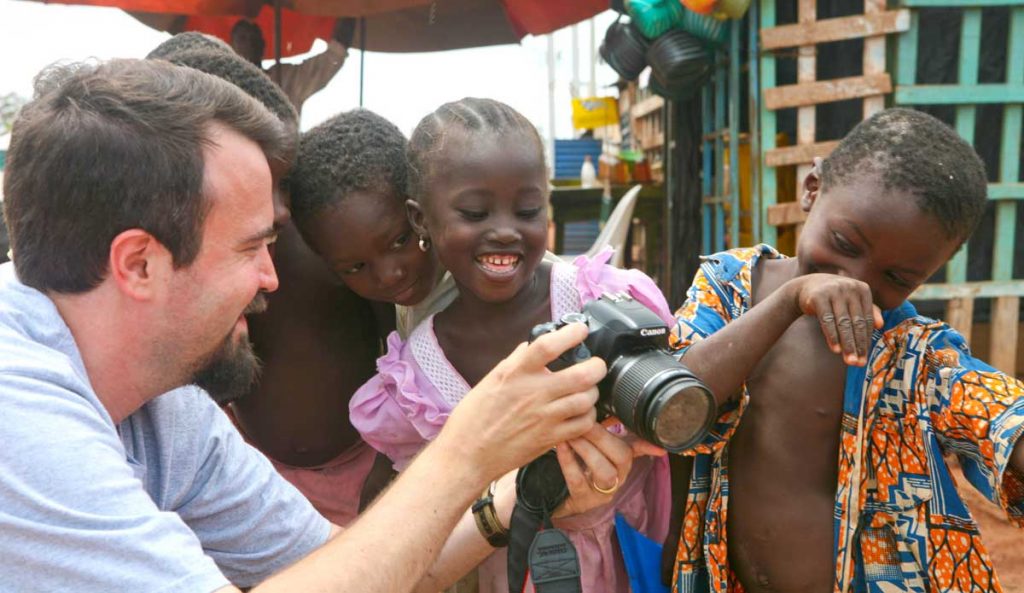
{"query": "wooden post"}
(683, 164)
(960, 312)
(1006, 309)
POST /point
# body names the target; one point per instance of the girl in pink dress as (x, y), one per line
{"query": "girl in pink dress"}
(479, 182)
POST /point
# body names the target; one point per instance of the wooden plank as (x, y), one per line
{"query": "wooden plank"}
(1003, 341)
(734, 134)
(960, 316)
(806, 73)
(769, 179)
(795, 155)
(981, 290)
(1006, 191)
(955, 94)
(970, 48)
(825, 91)
(786, 214)
(754, 117)
(959, 3)
(1009, 162)
(906, 62)
(874, 54)
(648, 105)
(1006, 310)
(838, 29)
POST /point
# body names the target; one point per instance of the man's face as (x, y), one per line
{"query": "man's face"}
(208, 299)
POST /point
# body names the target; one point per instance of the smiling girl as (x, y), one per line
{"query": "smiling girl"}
(480, 201)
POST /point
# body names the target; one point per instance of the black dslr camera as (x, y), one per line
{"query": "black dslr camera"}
(652, 393)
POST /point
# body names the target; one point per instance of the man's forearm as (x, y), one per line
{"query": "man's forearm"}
(725, 359)
(391, 546)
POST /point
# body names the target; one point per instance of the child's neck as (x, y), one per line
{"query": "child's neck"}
(475, 335)
(467, 307)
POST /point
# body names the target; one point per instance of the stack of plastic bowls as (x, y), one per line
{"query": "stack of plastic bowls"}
(680, 65)
(655, 17)
(624, 49)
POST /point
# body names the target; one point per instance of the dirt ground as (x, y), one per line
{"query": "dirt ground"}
(1005, 542)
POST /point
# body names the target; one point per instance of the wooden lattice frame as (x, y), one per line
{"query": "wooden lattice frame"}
(871, 86)
(966, 95)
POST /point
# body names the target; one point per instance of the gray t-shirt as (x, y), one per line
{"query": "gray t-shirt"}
(171, 499)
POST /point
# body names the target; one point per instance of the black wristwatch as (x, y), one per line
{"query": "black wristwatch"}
(487, 521)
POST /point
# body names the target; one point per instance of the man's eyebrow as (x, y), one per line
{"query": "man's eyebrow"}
(267, 233)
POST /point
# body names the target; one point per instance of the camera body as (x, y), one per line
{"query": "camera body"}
(646, 388)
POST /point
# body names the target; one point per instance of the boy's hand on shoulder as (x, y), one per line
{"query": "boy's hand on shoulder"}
(844, 309)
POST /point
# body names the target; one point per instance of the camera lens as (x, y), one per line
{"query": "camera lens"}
(661, 401)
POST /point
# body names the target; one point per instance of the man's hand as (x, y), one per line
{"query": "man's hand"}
(521, 409)
(844, 310)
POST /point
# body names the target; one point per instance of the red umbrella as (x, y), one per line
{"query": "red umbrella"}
(390, 25)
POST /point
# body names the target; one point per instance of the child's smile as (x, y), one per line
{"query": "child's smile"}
(487, 213)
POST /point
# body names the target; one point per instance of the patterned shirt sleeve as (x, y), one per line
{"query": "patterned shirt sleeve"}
(706, 311)
(978, 413)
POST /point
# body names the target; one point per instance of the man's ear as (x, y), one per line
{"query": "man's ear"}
(414, 211)
(812, 186)
(138, 263)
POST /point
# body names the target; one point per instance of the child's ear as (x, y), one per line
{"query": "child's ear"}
(812, 186)
(415, 213)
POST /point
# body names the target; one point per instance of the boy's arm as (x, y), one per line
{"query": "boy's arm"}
(724, 359)
(978, 412)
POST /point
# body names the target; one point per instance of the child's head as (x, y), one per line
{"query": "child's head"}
(225, 64)
(187, 41)
(348, 201)
(479, 181)
(892, 203)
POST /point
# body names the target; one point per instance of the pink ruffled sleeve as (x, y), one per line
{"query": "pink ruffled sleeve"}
(595, 277)
(398, 411)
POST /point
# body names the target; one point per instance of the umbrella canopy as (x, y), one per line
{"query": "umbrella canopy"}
(391, 25)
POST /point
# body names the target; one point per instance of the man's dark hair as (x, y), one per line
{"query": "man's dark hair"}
(353, 151)
(106, 148)
(912, 151)
(470, 114)
(5, 242)
(231, 67)
(188, 41)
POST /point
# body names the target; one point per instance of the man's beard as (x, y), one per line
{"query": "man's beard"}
(232, 370)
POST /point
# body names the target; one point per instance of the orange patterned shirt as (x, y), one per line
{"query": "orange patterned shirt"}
(900, 524)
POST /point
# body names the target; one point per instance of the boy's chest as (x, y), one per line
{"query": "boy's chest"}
(783, 466)
(798, 386)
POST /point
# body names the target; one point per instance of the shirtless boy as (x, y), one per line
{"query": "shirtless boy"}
(835, 479)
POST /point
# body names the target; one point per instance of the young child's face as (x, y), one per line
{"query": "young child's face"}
(486, 211)
(367, 241)
(881, 237)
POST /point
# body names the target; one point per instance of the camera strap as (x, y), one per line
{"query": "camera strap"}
(536, 547)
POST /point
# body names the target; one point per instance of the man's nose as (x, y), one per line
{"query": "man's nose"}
(268, 275)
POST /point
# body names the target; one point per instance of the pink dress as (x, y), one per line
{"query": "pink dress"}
(405, 405)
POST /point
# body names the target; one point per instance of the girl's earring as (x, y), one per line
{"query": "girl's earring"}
(424, 243)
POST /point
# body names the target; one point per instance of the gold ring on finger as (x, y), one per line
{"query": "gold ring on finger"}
(609, 490)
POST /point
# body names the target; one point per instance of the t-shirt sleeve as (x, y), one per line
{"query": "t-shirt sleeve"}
(249, 519)
(978, 413)
(73, 514)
